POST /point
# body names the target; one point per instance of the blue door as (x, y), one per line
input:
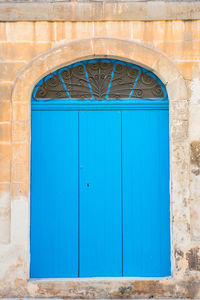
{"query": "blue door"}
(54, 194)
(100, 173)
(100, 194)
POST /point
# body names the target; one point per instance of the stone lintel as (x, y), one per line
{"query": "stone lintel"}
(99, 11)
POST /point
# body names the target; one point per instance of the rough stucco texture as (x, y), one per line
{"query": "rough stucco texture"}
(22, 41)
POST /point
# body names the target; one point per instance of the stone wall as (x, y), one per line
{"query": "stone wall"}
(172, 50)
(92, 10)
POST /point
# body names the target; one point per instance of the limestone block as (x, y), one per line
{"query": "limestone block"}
(21, 91)
(99, 10)
(4, 213)
(20, 31)
(21, 111)
(180, 50)
(20, 236)
(166, 69)
(113, 29)
(146, 56)
(195, 190)
(20, 132)
(137, 30)
(44, 31)
(5, 111)
(177, 89)
(5, 91)
(3, 36)
(5, 132)
(174, 30)
(20, 171)
(67, 31)
(22, 50)
(161, 31)
(192, 30)
(194, 129)
(179, 155)
(20, 189)
(20, 152)
(179, 130)
(101, 47)
(5, 159)
(189, 69)
(9, 70)
(179, 110)
(71, 52)
(123, 49)
(195, 90)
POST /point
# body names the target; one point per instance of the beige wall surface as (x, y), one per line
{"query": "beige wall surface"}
(30, 50)
(101, 10)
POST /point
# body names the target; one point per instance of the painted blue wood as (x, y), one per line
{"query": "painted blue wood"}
(100, 184)
(100, 224)
(146, 206)
(103, 105)
(54, 194)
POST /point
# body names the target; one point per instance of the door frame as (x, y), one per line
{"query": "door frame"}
(138, 54)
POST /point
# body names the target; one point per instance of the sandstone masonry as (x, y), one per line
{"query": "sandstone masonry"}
(28, 51)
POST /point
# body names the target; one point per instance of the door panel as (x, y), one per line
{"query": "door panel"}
(54, 194)
(100, 194)
(146, 210)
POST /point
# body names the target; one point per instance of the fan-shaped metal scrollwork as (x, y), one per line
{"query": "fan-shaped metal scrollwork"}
(100, 79)
(123, 81)
(147, 87)
(99, 74)
(51, 88)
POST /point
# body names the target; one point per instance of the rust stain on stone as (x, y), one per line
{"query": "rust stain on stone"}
(189, 288)
(144, 289)
(193, 259)
(195, 157)
(178, 257)
(125, 290)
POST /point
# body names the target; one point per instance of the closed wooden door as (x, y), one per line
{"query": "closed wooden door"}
(100, 194)
(100, 191)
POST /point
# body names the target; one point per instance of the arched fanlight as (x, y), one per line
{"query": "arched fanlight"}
(100, 79)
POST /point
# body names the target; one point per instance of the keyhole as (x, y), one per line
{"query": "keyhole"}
(88, 185)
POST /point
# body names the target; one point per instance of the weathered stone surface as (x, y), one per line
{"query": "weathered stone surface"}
(150, 44)
(189, 69)
(5, 91)
(4, 213)
(180, 167)
(5, 162)
(99, 11)
(20, 132)
(20, 31)
(21, 51)
(5, 132)
(20, 112)
(5, 112)
(193, 259)
(9, 70)
(3, 32)
(181, 50)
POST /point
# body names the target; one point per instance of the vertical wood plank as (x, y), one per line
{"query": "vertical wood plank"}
(146, 206)
(100, 194)
(54, 194)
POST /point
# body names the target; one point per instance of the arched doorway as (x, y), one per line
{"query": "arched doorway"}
(100, 173)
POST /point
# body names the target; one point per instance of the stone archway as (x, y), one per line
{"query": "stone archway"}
(66, 54)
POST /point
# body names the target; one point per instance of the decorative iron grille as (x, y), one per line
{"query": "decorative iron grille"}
(100, 79)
